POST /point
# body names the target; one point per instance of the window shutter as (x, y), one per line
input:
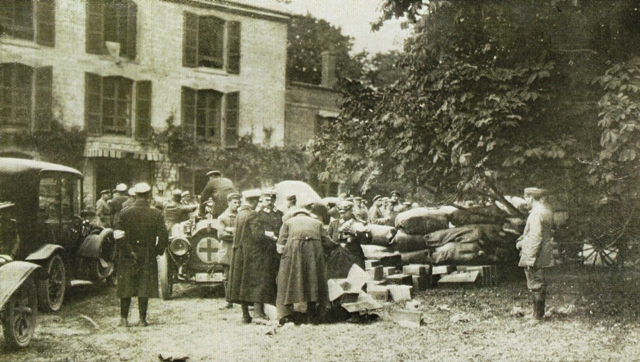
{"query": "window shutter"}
(190, 40)
(232, 112)
(95, 27)
(143, 110)
(93, 103)
(132, 23)
(189, 111)
(46, 22)
(44, 98)
(233, 47)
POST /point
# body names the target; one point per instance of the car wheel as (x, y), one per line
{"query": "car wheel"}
(20, 315)
(51, 290)
(164, 276)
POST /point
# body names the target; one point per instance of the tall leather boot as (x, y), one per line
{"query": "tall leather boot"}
(539, 304)
(246, 317)
(143, 304)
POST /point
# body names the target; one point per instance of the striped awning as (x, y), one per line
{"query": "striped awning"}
(137, 155)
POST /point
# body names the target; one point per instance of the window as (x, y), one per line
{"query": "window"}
(211, 42)
(112, 21)
(202, 112)
(25, 96)
(193, 180)
(49, 199)
(109, 106)
(29, 20)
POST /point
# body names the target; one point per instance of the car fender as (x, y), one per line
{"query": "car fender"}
(44, 253)
(91, 245)
(12, 275)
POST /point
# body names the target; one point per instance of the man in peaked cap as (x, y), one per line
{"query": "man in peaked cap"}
(350, 232)
(226, 232)
(254, 258)
(374, 211)
(175, 212)
(216, 189)
(103, 209)
(119, 198)
(536, 248)
(137, 269)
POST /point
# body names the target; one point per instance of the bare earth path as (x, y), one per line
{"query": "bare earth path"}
(458, 325)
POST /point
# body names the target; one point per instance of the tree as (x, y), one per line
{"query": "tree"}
(307, 38)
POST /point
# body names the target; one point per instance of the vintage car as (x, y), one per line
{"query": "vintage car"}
(49, 229)
(18, 293)
(192, 255)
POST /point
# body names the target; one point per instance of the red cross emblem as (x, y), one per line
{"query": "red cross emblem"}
(207, 250)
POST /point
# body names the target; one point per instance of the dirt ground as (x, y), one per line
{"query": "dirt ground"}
(594, 317)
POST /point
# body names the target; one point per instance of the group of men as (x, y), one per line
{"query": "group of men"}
(282, 258)
(110, 204)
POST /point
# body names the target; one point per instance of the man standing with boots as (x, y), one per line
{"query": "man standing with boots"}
(140, 236)
(536, 248)
(226, 232)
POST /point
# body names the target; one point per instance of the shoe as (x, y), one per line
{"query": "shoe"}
(123, 322)
(143, 323)
(226, 306)
(260, 316)
(246, 319)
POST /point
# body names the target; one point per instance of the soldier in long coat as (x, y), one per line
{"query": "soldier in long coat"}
(119, 198)
(226, 231)
(141, 236)
(536, 248)
(217, 189)
(302, 276)
(252, 276)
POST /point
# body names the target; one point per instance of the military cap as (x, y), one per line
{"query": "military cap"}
(177, 192)
(291, 198)
(214, 173)
(345, 206)
(103, 192)
(114, 191)
(234, 196)
(251, 194)
(186, 193)
(407, 203)
(132, 192)
(395, 193)
(142, 188)
(534, 191)
(375, 198)
(121, 188)
(357, 198)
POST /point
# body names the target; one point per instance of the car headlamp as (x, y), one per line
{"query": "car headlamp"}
(179, 246)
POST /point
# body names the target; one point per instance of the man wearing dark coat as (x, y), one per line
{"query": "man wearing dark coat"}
(252, 275)
(271, 216)
(141, 236)
(217, 189)
(302, 278)
(227, 221)
(349, 232)
(119, 198)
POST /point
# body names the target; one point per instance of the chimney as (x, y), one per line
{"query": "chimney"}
(329, 77)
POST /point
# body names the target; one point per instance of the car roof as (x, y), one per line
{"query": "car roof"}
(18, 165)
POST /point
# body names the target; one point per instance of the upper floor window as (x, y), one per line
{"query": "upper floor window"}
(29, 20)
(25, 96)
(112, 21)
(211, 116)
(211, 42)
(112, 102)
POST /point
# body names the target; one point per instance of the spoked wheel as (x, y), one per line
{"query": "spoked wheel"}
(164, 276)
(51, 291)
(600, 254)
(20, 315)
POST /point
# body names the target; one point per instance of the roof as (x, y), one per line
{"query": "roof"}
(18, 165)
(269, 9)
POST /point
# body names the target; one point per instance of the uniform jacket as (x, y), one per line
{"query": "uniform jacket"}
(116, 206)
(272, 219)
(227, 220)
(254, 264)
(136, 266)
(103, 212)
(302, 275)
(341, 258)
(217, 189)
(175, 213)
(374, 214)
(536, 243)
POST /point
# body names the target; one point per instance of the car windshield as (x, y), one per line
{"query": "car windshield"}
(7, 229)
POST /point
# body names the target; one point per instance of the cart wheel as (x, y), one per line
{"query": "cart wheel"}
(51, 290)
(600, 254)
(164, 276)
(20, 315)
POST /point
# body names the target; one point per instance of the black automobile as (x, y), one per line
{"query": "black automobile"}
(50, 230)
(192, 255)
(18, 296)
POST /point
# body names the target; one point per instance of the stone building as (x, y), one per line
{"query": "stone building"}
(121, 69)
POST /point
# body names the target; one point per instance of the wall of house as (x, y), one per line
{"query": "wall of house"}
(306, 105)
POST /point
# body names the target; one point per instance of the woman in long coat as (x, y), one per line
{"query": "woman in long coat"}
(252, 275)
(302, 275)
(137, 268)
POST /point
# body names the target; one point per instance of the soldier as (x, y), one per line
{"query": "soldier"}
(536, 248)
(103, 209)
(374, 211)
(175, 212)
(252, 278)
(217, 189)
(141, 236)
(225, 233)
(350, 232)
(359, 210)
(131, 200)
(271, 216)
(119, 198)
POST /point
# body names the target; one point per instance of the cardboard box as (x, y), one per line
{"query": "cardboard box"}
(417, 269)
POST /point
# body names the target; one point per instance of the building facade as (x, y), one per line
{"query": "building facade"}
(120, 70)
